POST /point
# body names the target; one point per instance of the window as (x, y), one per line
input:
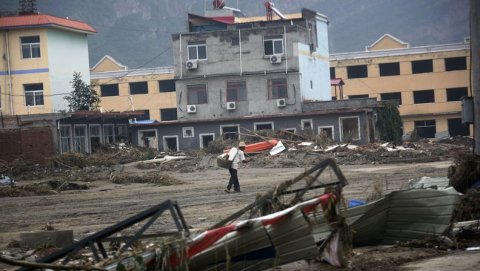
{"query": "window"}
(263, 126)
(389, 69)
(167, 85)
(197, 94)
(358, 71)
(80, 138)
(65, 138)
(392, 96)
(359, 96)
(236, 91)
(30, 46)
(273, 45)
(349, 129)
(327, 131)
(422, 66)
(277, 88)
(145, 116)
(455, 63)
(307, 124)
(95, 137)
(109, 90)
(147, 138)
(167, 114)
(230, 131)
(170, 143)
(235, 41)
(121, 132)
(423, 96)
(197, 50)
(455, 94)
(138, 88)
(205, 139)
(108, 134)
(332, 73)
(188, 132)
(33, 94)
(455, 127)
(425, 128)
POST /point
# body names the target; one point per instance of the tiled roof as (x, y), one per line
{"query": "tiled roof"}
(43, 20)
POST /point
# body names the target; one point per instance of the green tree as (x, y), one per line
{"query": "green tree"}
(83, 96)
(389, 122)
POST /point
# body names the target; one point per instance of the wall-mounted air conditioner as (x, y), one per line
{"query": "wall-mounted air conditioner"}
(276, 59)
(191, 108)
(281, 102)
(231, 106)
(191, 64)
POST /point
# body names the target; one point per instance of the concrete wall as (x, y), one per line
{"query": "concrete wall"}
(68, 53)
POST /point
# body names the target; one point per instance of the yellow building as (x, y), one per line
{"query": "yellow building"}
(428, 82)
(40, 54)
(151, 90)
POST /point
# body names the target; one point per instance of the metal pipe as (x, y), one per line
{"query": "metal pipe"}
(240, 44)
(181, 60)
(285, 42)
(9, 71)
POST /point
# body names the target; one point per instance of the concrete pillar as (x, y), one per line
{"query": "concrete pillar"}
(475, 68)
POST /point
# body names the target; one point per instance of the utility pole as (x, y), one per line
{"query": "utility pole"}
(475, 69)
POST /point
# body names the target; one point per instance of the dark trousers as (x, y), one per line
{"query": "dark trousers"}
(233, 180)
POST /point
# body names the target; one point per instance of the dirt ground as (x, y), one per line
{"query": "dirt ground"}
(200, 196)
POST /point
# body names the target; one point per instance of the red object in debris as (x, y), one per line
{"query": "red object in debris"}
(258, 147)
(218, 4)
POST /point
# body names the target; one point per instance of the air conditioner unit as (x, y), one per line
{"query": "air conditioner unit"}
(281, 102)
(276, 59)
(191, 64)
(231, 106)
(191, 108)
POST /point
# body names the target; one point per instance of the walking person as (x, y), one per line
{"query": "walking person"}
(236, 155)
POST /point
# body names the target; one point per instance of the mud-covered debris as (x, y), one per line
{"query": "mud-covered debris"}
(152, 178)
(42, 188)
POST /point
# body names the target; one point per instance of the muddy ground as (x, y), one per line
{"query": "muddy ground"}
(117, 192)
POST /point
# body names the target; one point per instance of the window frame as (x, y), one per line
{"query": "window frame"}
(237, 89)
(68, 138)
(116, 92)
(454, 65)
(106, 136)
(201, 139)
(230, 125)
(303, 121)
(31, 47)
(454, 97)
(389, 69)
(168, 82)
(421, 66)
(425, 126)
(192, 88)
(80, 142)
(416, 94)
(320, 128)
(91, 135)
(273, 40)
(171, 109)
(140, 90)
(271, 87)
(140, 135)
(196, 45)
(356, 74)
(340, 123)
(391, 93)
(165, 145)
(184, 129)
(34, 94)
(263, 123)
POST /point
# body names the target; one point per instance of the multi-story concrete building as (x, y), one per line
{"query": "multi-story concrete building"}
(235, 72)
(151, 90)
(427, 82)
(40, 54)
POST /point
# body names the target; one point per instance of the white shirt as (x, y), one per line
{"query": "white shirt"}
(236, 156)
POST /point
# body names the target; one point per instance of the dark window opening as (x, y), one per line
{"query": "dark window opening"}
(197, 50)
(138, 88)
(30, 46)
(109, 90)
(33, 94)
(455, 63)
(422, 66)
(426, 128)
(235, 41)
(392, 96)
(332, 73)
(359, 96)
(263, 126)
(423, 96)
(277, 88)
(167, 85)
(167, 114)
(230, 132)
(205, 140)
(273, 45)
(389, 69)
(170, 143)
(358, 71)
(326, 131)
(145, 116)
(455, 128)
(455, 94)
(197, 94)
(236, 91)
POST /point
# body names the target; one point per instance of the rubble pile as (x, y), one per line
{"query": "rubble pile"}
(149, 177)
(42, 188)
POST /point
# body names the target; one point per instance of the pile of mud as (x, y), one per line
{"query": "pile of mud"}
(42, 188)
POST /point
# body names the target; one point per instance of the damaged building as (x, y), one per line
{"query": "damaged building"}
(255, 73)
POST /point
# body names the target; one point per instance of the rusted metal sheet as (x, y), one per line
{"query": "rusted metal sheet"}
(33, 144)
